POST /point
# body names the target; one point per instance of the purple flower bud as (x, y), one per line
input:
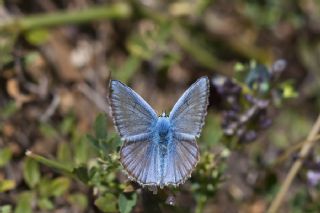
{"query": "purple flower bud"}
(248, 136)
(278, 66)
(264, 122)
(313, 177)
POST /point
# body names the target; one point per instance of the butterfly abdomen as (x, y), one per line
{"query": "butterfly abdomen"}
(163, 140)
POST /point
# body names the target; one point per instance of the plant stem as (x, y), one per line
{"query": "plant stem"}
(295, 167)
(202, 55)
(289, 152)
(111, 11)
(50, 163)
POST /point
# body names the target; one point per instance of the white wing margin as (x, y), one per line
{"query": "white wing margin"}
(188, 114)
(132, 116)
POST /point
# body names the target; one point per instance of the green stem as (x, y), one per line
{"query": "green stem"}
(50, 163)
(192, 46)
(201, 202)
(112, 11)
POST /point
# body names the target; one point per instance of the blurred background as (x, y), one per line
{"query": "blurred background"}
(56, 60)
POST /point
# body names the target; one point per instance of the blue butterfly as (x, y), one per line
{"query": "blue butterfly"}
(159, 150)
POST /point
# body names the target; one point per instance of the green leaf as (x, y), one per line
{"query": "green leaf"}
(81, 173)
(288, 91)
(55, 187)
(59, 186)
(93, 141)
(126, 203)
(9, 109)
(239, 67)
(44, 187)
(8, 39)
(68, 124)
(38, 36)
(64, 153)
(45, 204)
(128, 69)
(23, 203)
(79, 200)
(31, 173)
(5, 209)
(6, 185)
(47, 130)
(5, 156)
(100, 127)
(81, 151)
(107, 203)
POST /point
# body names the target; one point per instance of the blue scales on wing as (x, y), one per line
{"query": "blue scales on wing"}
(133, 117)
(186, 118)
(188, 114)
(135, 121)
(159, 150)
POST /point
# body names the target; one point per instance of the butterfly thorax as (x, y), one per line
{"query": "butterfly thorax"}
(163, 127)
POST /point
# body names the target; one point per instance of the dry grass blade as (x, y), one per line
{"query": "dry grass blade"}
(295, 167)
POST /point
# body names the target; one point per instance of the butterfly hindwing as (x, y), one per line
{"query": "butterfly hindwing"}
(141, 161)
(133, 117)
(187, 115)
(182, 158)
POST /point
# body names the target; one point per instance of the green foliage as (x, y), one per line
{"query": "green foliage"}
(208, 174)
(9, 109)
(6, 185)
(72, 160)
(78, 199)
(24, 201)
(128, 69)
(37, 36)
(100, 127)
(126, 202)
(47, 130)
(270, 13)
(45, 204)
(5, 209)
(107, 203)
(5, 156)
(31, 172)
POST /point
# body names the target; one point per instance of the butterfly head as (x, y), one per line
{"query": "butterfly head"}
(163, 114)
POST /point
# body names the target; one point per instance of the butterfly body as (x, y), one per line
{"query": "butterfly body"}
(159, 150)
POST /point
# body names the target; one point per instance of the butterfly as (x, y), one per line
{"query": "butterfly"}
(159, 150)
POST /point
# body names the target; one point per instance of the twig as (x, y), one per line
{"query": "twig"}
(51, 109)
(50, 163)
(94, 96)
(191, 45)
(295, 167)
(289, 152)
(110, 11)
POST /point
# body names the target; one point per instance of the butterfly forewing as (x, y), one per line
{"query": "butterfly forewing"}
(187, 115)
(133, 117)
